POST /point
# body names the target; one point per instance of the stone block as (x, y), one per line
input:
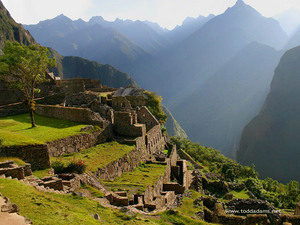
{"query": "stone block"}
(177, 188)
(17, 172)
(55, 184)
(297, 210)
(117, 200)
(27, 169)
(170, 197)
(6, 164)
(230, 219)
(293, 219)
(253, 219)
(121, 193)
(175, 170)
(159, 202)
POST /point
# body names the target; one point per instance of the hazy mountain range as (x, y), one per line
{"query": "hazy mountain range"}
(183, 63)
(213, 72)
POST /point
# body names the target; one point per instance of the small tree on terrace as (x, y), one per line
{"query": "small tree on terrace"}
(23, 67)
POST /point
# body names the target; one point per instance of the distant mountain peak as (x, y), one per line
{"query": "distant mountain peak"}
(240, 2)
(241, 8)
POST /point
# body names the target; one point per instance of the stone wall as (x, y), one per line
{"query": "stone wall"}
(36, 155)
(125, 124)
(120, 103)
(136, 101)
(125, 164)
(79, 141)
(13, 109)
(153, 193)
(8, 96)
(144, 116)
(16, 172)
(80, 115)
(154, 139)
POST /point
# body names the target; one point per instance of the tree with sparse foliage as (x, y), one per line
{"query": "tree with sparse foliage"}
(23, 67)
(154, 105)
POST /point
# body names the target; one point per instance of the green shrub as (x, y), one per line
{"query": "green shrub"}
(72, 167)
(58, 167)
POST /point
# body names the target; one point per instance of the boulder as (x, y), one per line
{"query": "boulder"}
(297, 210)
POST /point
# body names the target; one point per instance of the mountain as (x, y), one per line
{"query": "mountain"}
(155, 26)
(289, 20)
(216, 113)
(188, 27)
(294, 41)
(73, 67)
(141, 33)
(12, 31)
(271, 139)
(189, 64)
(172, 126)
(93, 42)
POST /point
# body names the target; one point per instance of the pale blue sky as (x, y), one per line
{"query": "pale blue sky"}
(168, 13)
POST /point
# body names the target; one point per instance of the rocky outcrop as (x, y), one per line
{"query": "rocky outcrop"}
(271, 139)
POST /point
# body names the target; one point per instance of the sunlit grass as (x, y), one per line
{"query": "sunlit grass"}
(16, 130)
(137, 180)
(47, 208)
(98, 156)
(17, 161)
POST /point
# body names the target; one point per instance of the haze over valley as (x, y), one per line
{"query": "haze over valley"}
(214, 72)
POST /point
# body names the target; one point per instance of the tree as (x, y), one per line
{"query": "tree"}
(154, 105)
(23, 67)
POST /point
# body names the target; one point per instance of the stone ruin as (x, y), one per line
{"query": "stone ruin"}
(10, 169)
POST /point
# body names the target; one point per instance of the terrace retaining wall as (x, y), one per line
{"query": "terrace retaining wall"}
(36, 155)
(80, 115)
(79, 141)
(125, 164)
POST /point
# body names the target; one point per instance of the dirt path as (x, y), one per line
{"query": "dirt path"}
(10, 218)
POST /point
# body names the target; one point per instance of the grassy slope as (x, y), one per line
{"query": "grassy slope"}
(47, 208)
(138, 179)
(98, 156)
(16, 130)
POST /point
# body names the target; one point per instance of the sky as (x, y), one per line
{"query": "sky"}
(168, 13)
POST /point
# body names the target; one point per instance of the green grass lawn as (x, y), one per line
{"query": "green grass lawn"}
(98, 156)
(240, 194)
(16, 130)
(187, 208)
(16, 160)
(47, 208)
(137, 180)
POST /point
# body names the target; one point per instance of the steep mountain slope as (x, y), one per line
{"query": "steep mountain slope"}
(190, 63)
(12, 31)
(294, 41)
(139, 32)
(172, 126)
(217, 112)
(271, 139)
(93, 42)
(289, 20)
(188, 27)
(73, 67)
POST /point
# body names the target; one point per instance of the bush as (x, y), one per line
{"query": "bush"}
(72, 167)
(58, 167)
